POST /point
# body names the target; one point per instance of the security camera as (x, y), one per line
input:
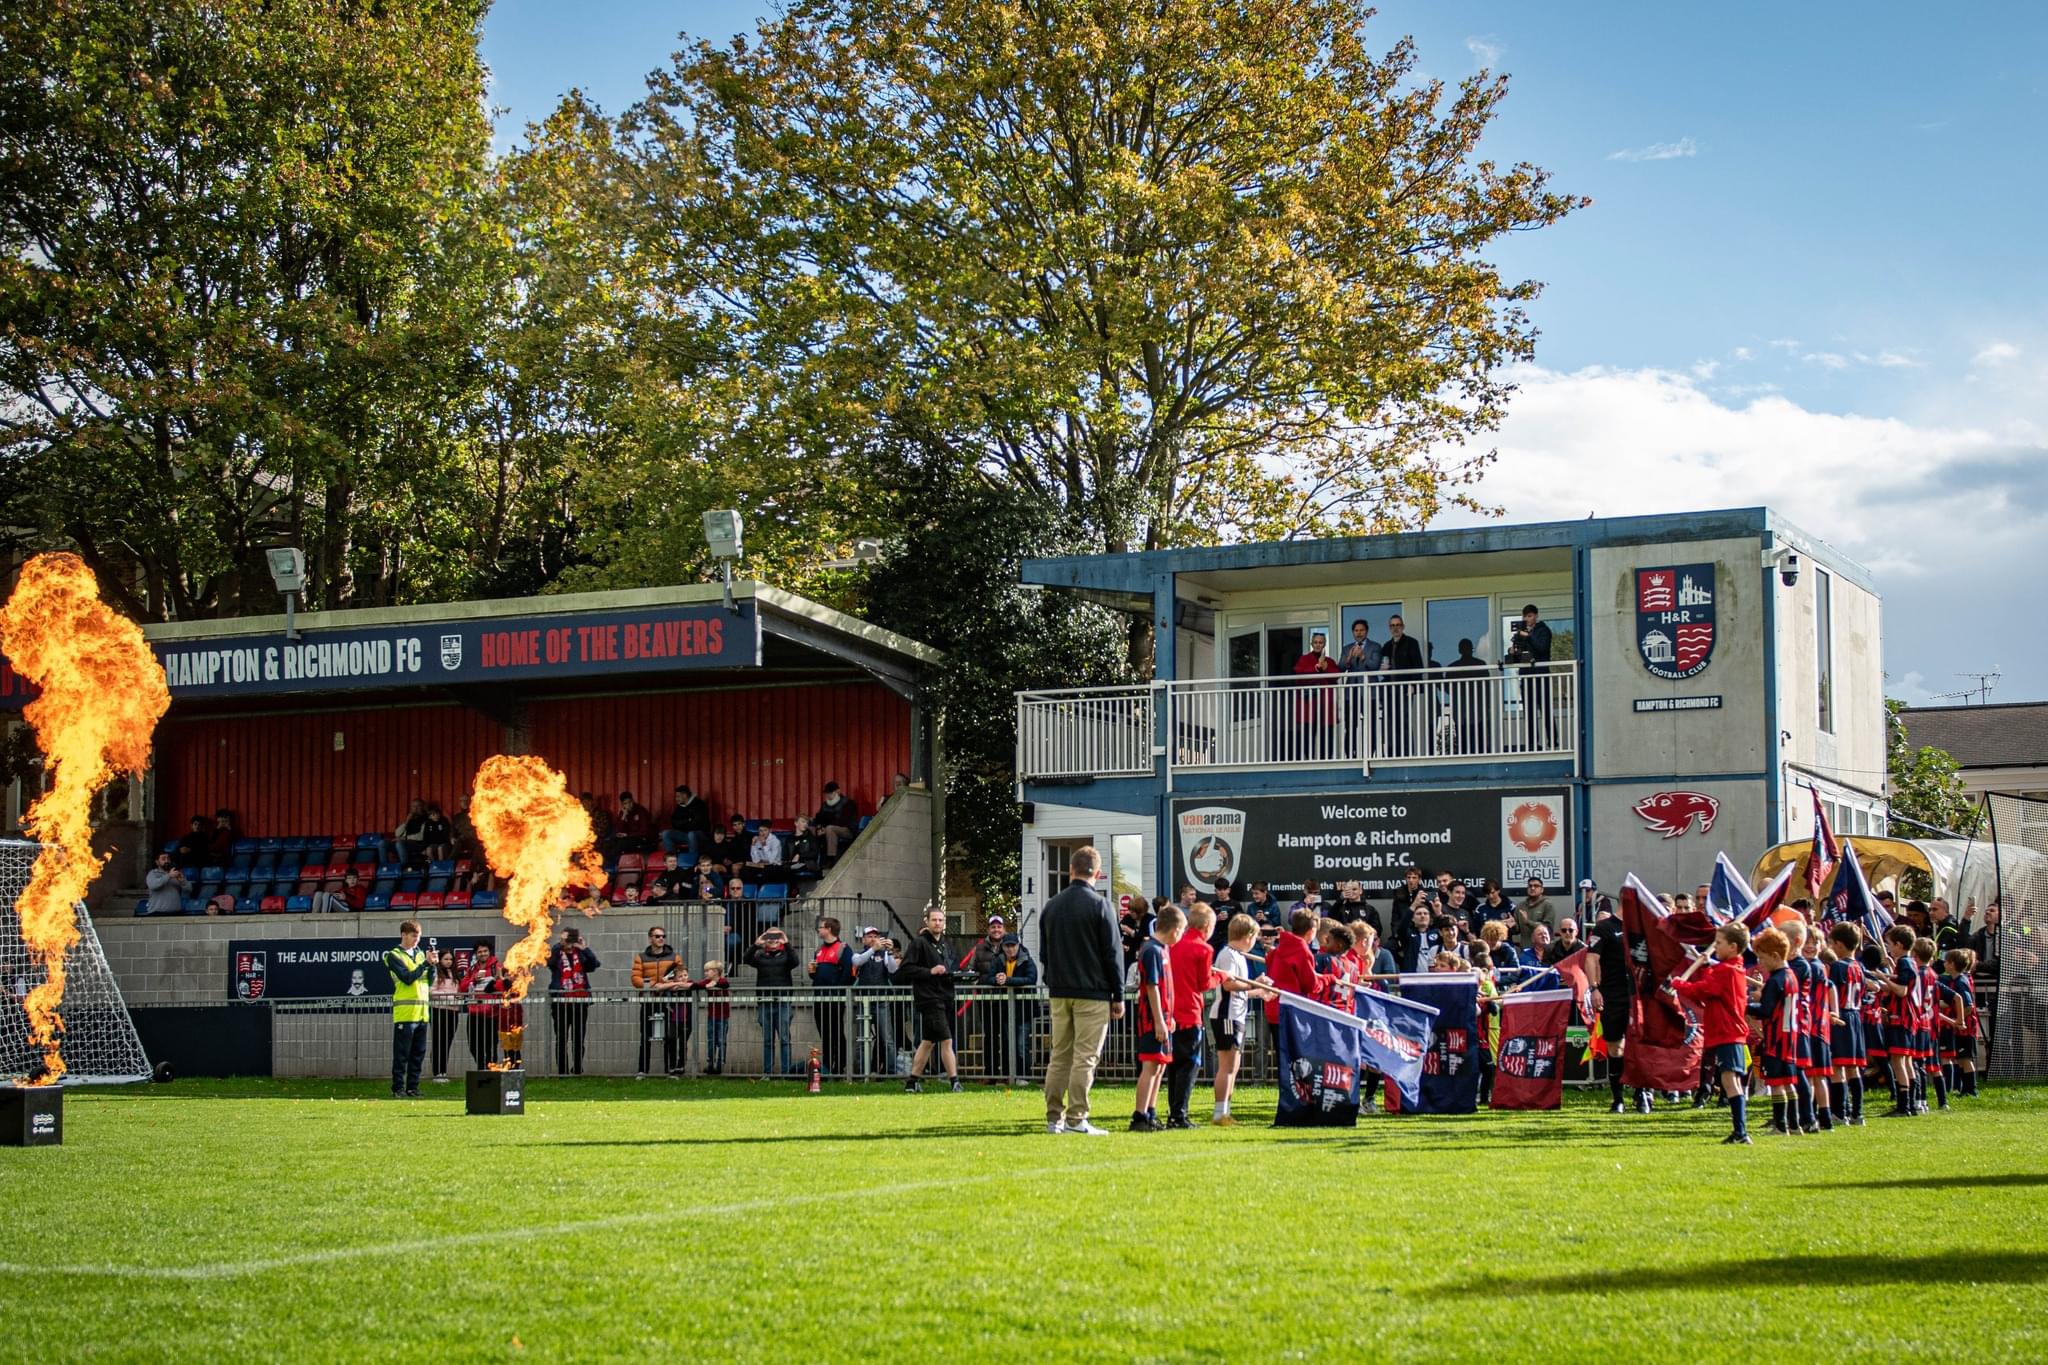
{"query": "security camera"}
(1788, 569)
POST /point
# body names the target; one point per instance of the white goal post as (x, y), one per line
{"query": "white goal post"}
(99, 1044)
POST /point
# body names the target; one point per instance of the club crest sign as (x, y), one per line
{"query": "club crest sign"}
(1675, 619)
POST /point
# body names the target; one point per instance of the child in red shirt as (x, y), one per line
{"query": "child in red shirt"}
(1155, 1020)
(1191, 961)
(1720, 993)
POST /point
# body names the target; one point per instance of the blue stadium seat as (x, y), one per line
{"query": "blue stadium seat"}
(265, 864)
(772, 891)
(213, 874)
(443, 867)
(371, 841)
(377, 900)
(247, 905)
(752, 889)
(249, 846)
(194, 906)
(385, 887)
(485, 900)
(390, 869)
(298, 905)
(440, 884)
(685, 861)
(753, 826)
(208, 890)
(412, 882)
(241, 861)
(142, 908)
(273, 845)
(295, 844)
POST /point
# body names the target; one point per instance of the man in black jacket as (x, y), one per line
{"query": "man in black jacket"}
(1529, 647)
(689, 824)
(1400, 662)
(774, 963)
(1080, 960)
(931, 989)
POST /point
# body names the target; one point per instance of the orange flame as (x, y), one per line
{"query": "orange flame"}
(102, 694)
(538, 836)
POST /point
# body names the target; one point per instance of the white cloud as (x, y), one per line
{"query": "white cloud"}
(1705, 369)
(1657, 151)
(1893, 495)
(1996, 353)
(1485, 50)
(1883, 360)
(1890, 360)
(1784, 343)
(1827, 360)
(1741, 353)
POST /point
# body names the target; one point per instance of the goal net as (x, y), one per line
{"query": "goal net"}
(99, 1044)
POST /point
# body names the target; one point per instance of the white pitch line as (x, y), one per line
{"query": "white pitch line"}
(225, 1270)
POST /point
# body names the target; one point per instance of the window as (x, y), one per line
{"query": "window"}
(1127, 867)
(1374, 614)
(1824, 646)
(1452, 619)
(1270, 648)
(1555, 609)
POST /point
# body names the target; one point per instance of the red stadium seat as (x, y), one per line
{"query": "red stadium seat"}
(430, 900)
(272, 905)
(366, 871)
(456, 900)
(311, 887)
(343, 845)
(631, 862)
(313, 872)
(405, 900)
(338, 869)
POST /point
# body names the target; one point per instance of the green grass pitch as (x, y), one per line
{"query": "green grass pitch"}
(713, 1221)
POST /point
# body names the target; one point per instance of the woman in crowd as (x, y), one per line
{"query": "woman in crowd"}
(445, 1001)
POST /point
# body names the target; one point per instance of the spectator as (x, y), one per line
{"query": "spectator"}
(352, 896)
(445, 1000)
(1457, 903)
(1565, 944)
(831, 970)
(405, 843)
(507, 1018)
(476, 983)
(874, 968)
(1353, 908)
(660, 974)
(774, 963)
(689, 824)
(167, 887)
(729, 851)
(600, 827)
(635, 827)
(222, 849)
(462, 832)
(931, 984)
(1535, 909)
(837, 820)
(717, 990)
(1262, 908)
(197, 846)
(979, 965)
(1537, 954)
(1403, 899)
(569, 967)
(437, 839)
(1493, 907)
(764, 855)
(1416, 943)
(806, 852)
(1016, 974)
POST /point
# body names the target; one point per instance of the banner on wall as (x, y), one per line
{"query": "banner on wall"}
(492, 649)
(320, 968)
(1374, 838)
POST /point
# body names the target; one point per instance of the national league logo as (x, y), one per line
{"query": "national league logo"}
(1675, 619)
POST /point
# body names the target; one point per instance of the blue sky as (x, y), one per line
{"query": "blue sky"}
(1812, 274)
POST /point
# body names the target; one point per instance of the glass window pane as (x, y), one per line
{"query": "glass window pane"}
(1127, 866)
(1452, 619)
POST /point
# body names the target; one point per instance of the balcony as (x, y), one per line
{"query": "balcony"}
(1524, 714)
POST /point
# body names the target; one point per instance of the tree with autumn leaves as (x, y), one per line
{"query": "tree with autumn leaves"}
(1106, 277)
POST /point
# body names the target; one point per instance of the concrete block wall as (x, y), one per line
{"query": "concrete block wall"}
(892, 859)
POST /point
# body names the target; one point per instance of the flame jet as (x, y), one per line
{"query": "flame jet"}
(536, 835)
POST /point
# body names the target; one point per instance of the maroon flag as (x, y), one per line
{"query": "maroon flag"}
(1766, 903)
(1663, 1046)
(1530, 1071)
(1571, 970)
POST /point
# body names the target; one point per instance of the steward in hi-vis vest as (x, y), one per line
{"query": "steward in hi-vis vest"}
(410, 972)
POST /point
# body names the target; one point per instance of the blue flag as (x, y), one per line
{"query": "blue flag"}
(1728, 894)
(1322, 1052)
(1851, 898)
(1450, 1069)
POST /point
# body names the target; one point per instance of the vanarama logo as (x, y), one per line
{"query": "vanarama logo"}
(1211, 844)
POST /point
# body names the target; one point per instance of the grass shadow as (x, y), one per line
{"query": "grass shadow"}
(2003, 1180)
(1870, 1268)
(952, 1133)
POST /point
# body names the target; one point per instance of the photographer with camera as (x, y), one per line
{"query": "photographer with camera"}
(1529, 647)
(774, 963)
(874, 968)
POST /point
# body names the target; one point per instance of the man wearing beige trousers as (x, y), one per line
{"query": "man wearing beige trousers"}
(1081, 962)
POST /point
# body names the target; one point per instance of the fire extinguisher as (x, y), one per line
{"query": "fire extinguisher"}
(816, 1073)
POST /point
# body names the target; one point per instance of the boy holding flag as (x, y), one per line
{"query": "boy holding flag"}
(1721, 996)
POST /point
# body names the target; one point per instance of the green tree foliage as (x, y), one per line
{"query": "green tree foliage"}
(240, 278)
(951, 575)
(1923, 783)
(1195, 270)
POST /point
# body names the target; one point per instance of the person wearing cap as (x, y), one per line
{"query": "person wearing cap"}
(1016, 975)
(985, 1015)
(874, 968)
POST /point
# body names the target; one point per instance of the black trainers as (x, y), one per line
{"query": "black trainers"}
(1737, 1140)
(1179, 1121)
(913, 1086)
(1617, 1108)
(1643, 1104)
(412, 1094)
(955, 1085)
(1141, 1124)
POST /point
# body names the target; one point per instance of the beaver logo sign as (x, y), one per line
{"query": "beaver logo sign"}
(1675, 619)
